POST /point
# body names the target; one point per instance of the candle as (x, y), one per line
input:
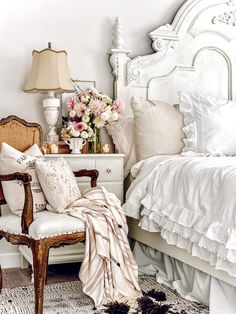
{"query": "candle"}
(54, 148)
(106, 148)
(46, 148)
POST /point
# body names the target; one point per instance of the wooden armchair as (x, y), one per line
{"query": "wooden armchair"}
(21, 135)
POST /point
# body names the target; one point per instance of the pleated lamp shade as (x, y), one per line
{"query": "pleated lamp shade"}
(49, 72)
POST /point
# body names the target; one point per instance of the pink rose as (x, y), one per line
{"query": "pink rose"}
(80, 126)
(71, 103)
(119, 106)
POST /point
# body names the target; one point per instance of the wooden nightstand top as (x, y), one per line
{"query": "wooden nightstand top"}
(85, 155)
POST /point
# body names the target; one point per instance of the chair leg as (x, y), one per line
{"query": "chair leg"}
(0, 266)
(40, 259)
(0, 279)
(46, 279)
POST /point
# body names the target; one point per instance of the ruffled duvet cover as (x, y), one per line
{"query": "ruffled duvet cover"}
(191, 201)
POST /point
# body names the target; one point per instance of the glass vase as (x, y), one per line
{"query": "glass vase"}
(96, 144)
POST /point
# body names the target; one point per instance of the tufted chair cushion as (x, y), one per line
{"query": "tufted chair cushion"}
(45, 224)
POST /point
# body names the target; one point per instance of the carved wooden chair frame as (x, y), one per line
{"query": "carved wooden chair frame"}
(40, 248)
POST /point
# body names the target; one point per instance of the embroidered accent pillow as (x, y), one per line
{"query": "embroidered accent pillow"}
(12, 160)
(210, 126)
(158, 128)
(58, 183)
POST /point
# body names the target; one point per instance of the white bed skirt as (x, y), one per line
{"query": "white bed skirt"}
(188, 281)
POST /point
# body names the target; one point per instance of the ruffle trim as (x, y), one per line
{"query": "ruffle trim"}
(112, 132)
(190, 141)
(206, 239)
(190, 128)
(128, 208)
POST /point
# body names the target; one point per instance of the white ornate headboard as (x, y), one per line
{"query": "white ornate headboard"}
(197, 52)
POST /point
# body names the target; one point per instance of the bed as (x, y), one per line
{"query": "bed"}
(194, 53)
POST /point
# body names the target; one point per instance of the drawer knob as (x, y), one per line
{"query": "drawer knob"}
(108, 170)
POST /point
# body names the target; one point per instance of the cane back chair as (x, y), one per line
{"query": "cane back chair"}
(24, 230)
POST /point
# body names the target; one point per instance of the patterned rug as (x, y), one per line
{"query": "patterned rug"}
(68, 298)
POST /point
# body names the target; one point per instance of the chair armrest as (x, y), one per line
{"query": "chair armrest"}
(93, 174)
(27, 213)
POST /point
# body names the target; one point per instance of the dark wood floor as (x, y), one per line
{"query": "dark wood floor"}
(16, 277)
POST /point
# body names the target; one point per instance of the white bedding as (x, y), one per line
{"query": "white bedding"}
(191, 201)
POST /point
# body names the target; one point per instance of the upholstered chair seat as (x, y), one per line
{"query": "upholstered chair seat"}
(45, 224)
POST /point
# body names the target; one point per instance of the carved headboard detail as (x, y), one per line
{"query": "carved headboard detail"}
(19, 133)
(197, 52)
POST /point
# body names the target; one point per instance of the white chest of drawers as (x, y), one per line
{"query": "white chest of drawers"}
(110, 167)
(111, 176)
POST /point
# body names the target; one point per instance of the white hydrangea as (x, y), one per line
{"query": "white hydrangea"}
(75, 133)
(90, 131)
(87, 112)
(84, 134)
(99, 123)
(85, 119)
(72, 113)
(115, 116)
(84, 98)
(108, 110)
(105, 116)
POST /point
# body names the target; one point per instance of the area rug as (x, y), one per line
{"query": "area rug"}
(68, 298)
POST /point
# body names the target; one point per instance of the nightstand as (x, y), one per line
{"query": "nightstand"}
(111, 176)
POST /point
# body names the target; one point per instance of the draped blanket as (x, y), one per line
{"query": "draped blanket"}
(108, 272)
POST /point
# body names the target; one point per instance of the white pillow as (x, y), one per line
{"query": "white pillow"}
(158, 128)
(34, 151)
(123, 136)
(12, 160)
(210, 124)
(58, 183)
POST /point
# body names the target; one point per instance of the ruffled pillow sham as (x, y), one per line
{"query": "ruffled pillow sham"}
(210, 126)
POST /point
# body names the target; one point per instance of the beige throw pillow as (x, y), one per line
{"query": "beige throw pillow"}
(158, 128)
(12, 160)
(122, 133)
(58, 183)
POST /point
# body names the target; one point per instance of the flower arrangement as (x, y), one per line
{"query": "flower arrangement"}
(90, 110)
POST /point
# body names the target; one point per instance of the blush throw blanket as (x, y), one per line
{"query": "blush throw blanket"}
(108, 272)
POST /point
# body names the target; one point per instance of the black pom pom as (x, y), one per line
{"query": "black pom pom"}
(117, 308)
(157, 295)
(159, 309)
(147, 306)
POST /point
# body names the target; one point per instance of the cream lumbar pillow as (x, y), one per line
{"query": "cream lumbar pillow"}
(58, 183)
(158, 128)
(12, 160)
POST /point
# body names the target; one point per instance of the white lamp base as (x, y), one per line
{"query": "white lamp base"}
(52, 138)
(51, 111)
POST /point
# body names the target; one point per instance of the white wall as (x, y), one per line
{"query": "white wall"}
(83, 28)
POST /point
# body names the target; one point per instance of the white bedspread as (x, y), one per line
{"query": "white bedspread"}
(191, 201)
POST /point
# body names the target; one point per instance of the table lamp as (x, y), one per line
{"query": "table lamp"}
(50, 74)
